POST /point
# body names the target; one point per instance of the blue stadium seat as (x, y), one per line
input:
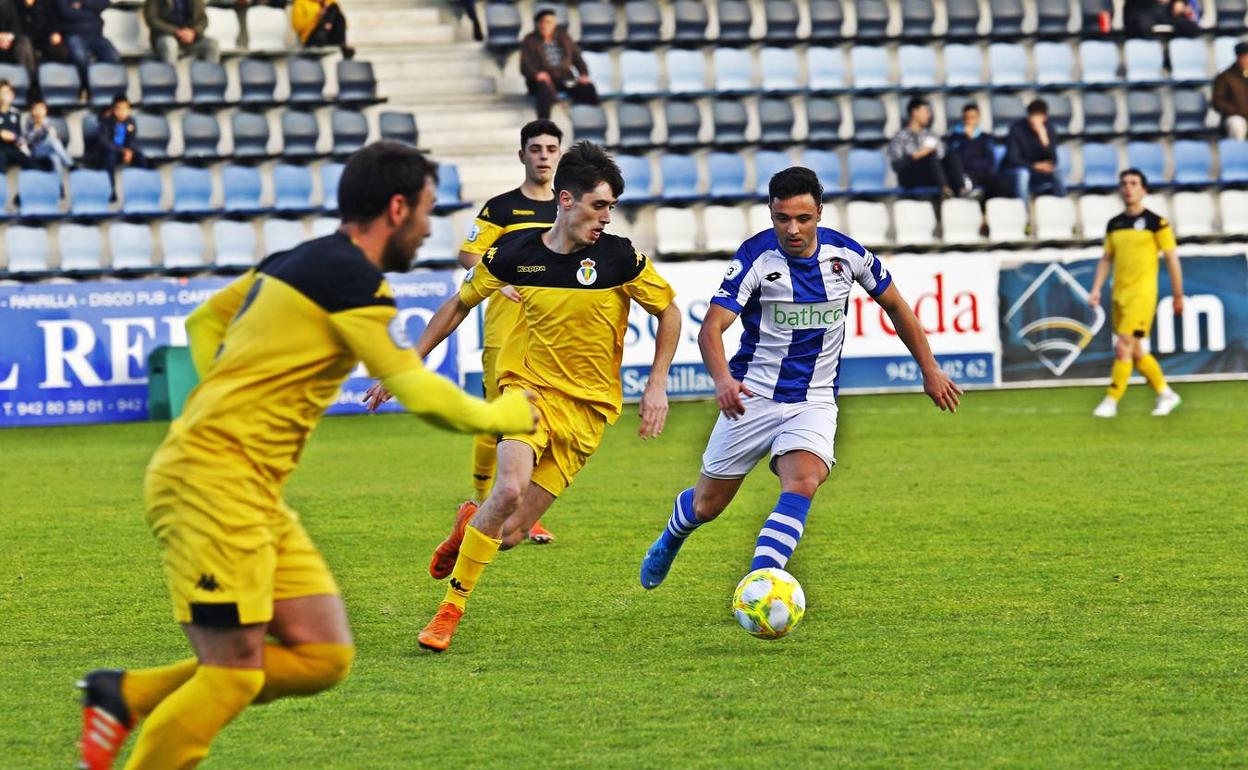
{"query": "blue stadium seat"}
(131, 246)
(768, 163)
(686, 72)
(1144, 60)
(89, 192)
(18, 78)
(1091, 10)
(60, 84)
(257, 80)
(1193, 163)
(183, 246)
(306, 77)
(780, 70)
(1052, 17)
(158, 84)
(827, 17)
(782, 17)
(731, 120)
(292, 188)
(1150, 158)
(639, 73)
(917, 17)
(823, 119)
(250, 131)
(448, 186)
(1006, 110)
(141, 192)
(398, 127)
(235, 243)
(1100, 166)
(29, 249)
(963, 16)
(1190, 110)
(1223, 52)
(1143, 111)
(152, 135)
(1230, 16)
(735, 19)
(636, 125)
(356, 81)
(734, 70)
(637, 179)
(597, 23)
(964, 66)
(870, 116)
(1055, 64)
(201, 135)
(918, 67)
(727, 176)
(775, 120)
(867, 172)
(104, 81)
(870, 67)
(40, 193)
(331, 173)
(208, 83)
(641, 21)
(81, 247)
(1007, 65)
(502, 23)
(684, 122)
(680, 177)
(241, 188)
(1066, 164)
(1099, 59)
(350, 130)
(1189, 60)
(872, 19)
(192, 190)
(1007, 17)
(282, 234)
(1232, 161)
(589, 121)
(1100, 112)
(301, 133)
(1059, 111)
(602, 72)
(691, 21)
(826, 68)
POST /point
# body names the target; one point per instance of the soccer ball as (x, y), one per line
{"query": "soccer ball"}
(769, 603)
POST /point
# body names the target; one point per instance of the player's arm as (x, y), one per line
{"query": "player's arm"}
(1170, 249)
(728, 390)
(481, 237)
(206, 325)
(1102, 274)
(656, 295)
(942, 390)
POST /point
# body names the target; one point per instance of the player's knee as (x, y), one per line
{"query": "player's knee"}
(506, 494)
(706, 509)
(805, 485)
(511, 539)
(331, 663)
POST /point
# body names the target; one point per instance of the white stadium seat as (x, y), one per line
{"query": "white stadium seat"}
(1055, 218)
(125, 30)
(268, 29)
(869, 222)
(960, 220)
(914, 222)
(1194, 214)
(1007, 219)
(223, 27)
(677, 230)
(725, 228)
(1095, 211)
(1233, 204)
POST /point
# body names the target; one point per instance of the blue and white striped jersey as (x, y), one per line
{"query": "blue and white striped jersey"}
(793, 311)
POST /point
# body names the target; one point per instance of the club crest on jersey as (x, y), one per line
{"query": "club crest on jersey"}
(587, 274)
(398, 332)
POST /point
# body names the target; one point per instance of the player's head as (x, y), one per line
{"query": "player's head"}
(1132, 186)
(540, 146)
(391, 186)
(1037, 112)
(587, 186)
(796, 203)
(545, 20)
(919, 109)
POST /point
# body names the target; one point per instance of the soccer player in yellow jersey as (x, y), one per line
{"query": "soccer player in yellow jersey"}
(577, 283)
(529, 206)
(252, 593)
(1132, 241)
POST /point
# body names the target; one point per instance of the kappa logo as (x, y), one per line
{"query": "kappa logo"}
(772, 277)
(207, 583)
(458, 587)
(1056, 338)
(587, 273)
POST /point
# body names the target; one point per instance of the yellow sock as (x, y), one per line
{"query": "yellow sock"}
(484, 458)
(1151, 369)
(144, 688)
(303, 669)
(477, 551)
(178, 732)
(1118, 377)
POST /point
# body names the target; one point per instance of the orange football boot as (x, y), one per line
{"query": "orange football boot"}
(539, 535)
(106, 719)
(447, 552)
(437, 635)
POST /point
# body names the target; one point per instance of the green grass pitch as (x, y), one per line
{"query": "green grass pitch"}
(1019, 585)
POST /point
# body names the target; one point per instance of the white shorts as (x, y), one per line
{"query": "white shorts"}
(736, 446)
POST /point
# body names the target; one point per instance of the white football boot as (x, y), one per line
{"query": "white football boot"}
(1107, 408)
(1167, 402)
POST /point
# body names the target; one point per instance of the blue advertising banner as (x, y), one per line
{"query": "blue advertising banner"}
(77, 353)
(1049, 331)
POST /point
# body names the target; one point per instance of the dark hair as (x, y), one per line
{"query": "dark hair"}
(1134, 172)
(915, 103)
(119, 98)
(4, 83)
(378, 172)
(543, 13)
(795, 181)
(586, 166)
(969, 106)
(539, 128)
(1038, 107)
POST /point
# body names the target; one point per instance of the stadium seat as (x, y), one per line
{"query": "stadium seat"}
(598, 21)
(81, 248)
(1099, 60)
(917, 17)
(917, 64)
(183, 246)
(684, 121)
(209, 82)
(441, 243)
(268, 29)
(1223, 52)
(1052, 18)
(281, 234)
(1007, 65)
(331, 173)
(642, 20)
(960, 221)
(775, 120)
(350, 130)
(292, 188)
(735, 20)
(89, 192)
(131, 246)
(1066, 164)
(1191, 110)
(963, 18)
(782, 17)
(29, 249)
(589, 121)
(356, 81)
(223, 27)
(1189, 60)
(869, 65)
(726, 227)
(826, 69)
(1144, 60)
(1007, 219)
(104, 81)
(1232, 161)
(734, 70)
(1059, 111)
(731, 120)
(1100, 166)
(1095, 211)
(1232, 204)
(305, 75)
(40, 193)
(602, 72)
(301, 132)
(726, 172)
(1090, 12)
(867, 172)
(823, 119)
(250, 132)
(1100, 112)
(449, 186)
(1193, 163)
(758, 218)
(914, 222)
(125, 31)
(870, 117)
(964, 66)
(257, 79)
(1143, 111)
(1193, 214)
(60, 84)
(398, 127)
(323, 226)
(691, 21)
(18, 78)
(1055, 218)
(677, 231)
(192, 190)
(234, 242)
(680, 177)
(639, 72)
(241, 189)
(827, 166)
(872, 18)
(1159, 204)
(780, 69)
(636, 125)
(637, 178)
(142, 190)
(158, 84)
(201, 135)
(152, 135)
(827, 18)
(870, 222)
(1006, 109)
(767, 163)
(686, 72)
(1007, 17)
(1055, 64)
(1230, 16)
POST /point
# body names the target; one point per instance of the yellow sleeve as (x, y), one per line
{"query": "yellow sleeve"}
(649, 289)
(482, 235)
(479, 284)
(303, 17)
(1165, 236)
(206, 325)
(373, 336)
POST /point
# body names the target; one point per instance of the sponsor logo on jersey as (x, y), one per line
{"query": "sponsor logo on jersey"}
(523, 212)
(384, 291)
(490, 254)
(587, 274)
(723, 293)
(1139, 223)
(207, 583)
(806, 315)
(772, 276)
(531, 269)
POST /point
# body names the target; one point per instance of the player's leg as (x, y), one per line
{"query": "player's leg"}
(1147, 365)
(520, 524)
(1120, 373)
(485, 445)
(692, 508)
(801, 473)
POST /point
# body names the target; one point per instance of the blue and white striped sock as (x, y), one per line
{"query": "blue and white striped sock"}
(781, 533)
(682, 522)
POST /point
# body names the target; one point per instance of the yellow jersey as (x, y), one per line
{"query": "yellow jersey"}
(575, 313)
(503, 215)
(1134, 243)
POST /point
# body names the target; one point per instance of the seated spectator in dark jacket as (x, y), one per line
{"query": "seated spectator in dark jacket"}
(177, 28)
(547, 57)
(1230, 95)
(15, 45)
(975, 149)
(12, 152)
(918, 156)
(83, 27)
(41, 25)
(115, 144)
(1030, 162)
(1147, 18)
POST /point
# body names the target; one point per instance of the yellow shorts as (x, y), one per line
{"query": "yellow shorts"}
(489, 373)
(223, 574)
(1133, 317)
(568, 432)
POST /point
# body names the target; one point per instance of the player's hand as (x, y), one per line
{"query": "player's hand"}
(653, 409)
(1094, 298)
(510, 293)
(942, 390)
(728, 397)
(1178, 304)
(376, 396)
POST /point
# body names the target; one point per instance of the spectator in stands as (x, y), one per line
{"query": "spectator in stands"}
(547, 57)
(41, 140)
(15, 46)
(974, 149)
(83, 27)
(1030, 162)
(1230, 94)
(919, 158)
(115, 145)
(177, 28)
(1144, 18)
(11, 150)
(41, 25)
(320, 23)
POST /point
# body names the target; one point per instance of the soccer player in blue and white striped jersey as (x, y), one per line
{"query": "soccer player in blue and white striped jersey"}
(790, 286)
